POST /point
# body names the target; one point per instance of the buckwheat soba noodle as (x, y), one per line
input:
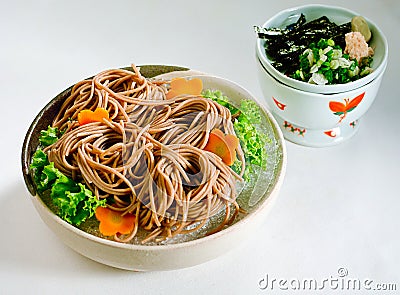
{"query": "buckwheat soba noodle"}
(148, 158)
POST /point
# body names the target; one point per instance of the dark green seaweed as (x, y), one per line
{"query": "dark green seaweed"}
(284, 46)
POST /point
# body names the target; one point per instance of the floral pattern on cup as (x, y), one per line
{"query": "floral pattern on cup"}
(288, 126)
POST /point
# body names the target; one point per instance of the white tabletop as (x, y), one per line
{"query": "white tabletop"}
(339, 207)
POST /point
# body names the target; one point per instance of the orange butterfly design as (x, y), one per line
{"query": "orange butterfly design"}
(341, 109)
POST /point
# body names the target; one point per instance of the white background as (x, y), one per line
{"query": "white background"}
(338, 206)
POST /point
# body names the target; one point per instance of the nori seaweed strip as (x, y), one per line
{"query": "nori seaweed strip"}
(301, 21)
(265, 33)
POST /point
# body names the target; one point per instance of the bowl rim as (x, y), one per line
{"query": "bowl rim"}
(313, 88)
(280, 174)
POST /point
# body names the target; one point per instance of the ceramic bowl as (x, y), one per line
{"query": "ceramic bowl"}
(185, 250)
(316, 119)
(338, 15)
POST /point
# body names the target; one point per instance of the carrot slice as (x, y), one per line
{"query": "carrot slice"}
(88, 116)
(112, 222)
(232, 141)
(181, 86)
(223, 146)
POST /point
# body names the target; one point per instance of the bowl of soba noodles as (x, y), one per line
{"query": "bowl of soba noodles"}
(153, 167)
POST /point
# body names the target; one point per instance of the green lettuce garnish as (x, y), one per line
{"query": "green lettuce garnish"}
(252, 140)
(74, 201)
(49, 136)
(39, 161)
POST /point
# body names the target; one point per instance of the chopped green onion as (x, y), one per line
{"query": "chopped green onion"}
(325, 63)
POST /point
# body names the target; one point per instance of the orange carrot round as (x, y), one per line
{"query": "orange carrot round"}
(112, 222)
(223, 146)
(182, 86)
(88, 116)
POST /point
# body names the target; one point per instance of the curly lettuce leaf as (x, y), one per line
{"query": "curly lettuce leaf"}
(253, 142)
(39, 161)
(49, 175)
(74, 201)
(250, 112)
(49, 136)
